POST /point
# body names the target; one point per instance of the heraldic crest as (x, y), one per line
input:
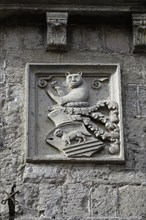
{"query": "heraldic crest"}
(80, 128)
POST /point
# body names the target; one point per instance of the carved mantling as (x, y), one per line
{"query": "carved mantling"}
(56, 30)
(139, 32)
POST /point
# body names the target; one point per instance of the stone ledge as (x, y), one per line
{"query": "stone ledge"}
(73, 7)
(132, 3)
(79, 217)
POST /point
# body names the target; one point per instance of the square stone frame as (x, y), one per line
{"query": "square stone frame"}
(32, 71)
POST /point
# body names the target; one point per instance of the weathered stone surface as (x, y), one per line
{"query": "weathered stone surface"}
(142, 100)
(63, 190)
(117, 40)
(75, 200)
(104, 201)
(85, 39)
(34, 39)
(131, 100)
(136, 103)
(135, 202)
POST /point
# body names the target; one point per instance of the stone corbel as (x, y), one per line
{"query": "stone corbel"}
(139, 32)
(56, 30)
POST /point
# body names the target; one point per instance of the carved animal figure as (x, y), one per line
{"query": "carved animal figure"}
(69, 137)
(78, 91)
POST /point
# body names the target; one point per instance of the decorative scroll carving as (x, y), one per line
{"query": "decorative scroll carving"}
(81, 130)
(42, 83)
(96, 84)
(56, 30)
(139, 32)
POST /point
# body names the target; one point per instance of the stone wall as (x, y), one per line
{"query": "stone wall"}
(69, 191)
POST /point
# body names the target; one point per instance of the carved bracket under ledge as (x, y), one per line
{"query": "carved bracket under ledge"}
(139, 32)
(56, 30)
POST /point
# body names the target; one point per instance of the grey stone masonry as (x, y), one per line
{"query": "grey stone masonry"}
(98, 32)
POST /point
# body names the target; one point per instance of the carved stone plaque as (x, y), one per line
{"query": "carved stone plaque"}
(74, 113)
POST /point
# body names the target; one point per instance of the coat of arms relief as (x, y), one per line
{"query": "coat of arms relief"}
(84, 115)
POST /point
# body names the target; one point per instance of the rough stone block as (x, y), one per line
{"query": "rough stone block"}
(14, 97)
(104, 201)
(132, 201)
(116, 178)
(114, 218)
(13, 38)
(135, 100)
(75, 200)
(2, 76)
(85, 38)
(33, 38)
(14, 74)
(50, 201)
(141, 90)
(45, 174)
(131, 100)
(117, 40)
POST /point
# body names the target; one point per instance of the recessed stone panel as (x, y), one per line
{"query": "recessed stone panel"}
(74, 113)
